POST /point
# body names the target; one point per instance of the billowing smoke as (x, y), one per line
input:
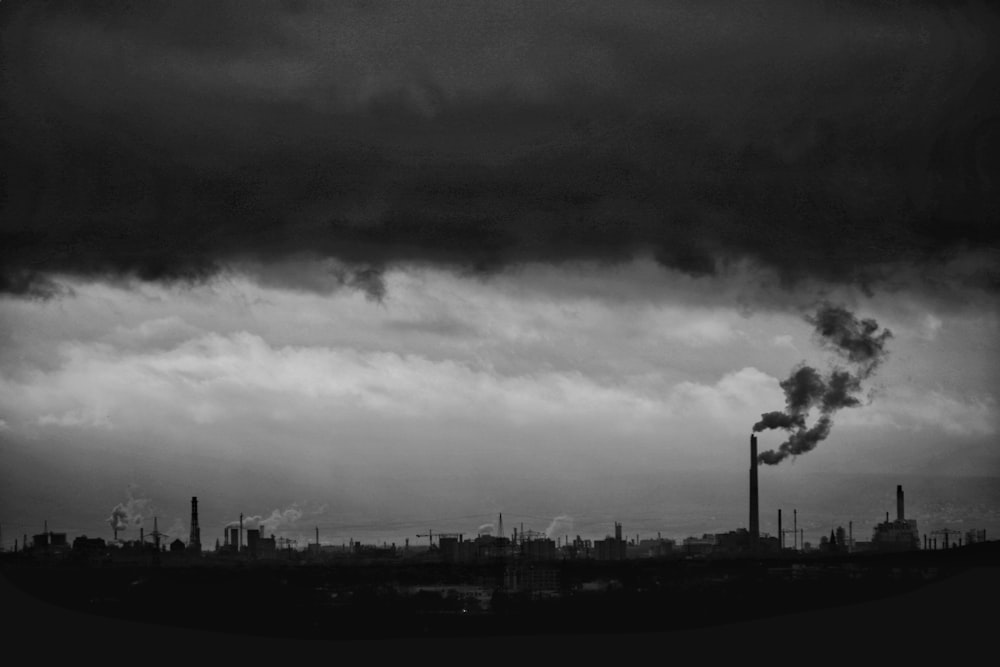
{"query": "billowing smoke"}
(128, 514)
(561, 525)
(860, 344)
(485, 529)
(855, 340)
(276, 520)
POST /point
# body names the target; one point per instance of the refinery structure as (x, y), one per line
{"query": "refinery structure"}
(245, 543)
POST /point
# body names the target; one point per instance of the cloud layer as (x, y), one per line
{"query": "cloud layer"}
(825, 140)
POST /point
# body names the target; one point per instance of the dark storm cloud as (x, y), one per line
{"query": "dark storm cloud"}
(167, 140)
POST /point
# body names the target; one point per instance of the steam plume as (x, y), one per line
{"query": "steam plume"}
(859, 343)
(560, 525)
(276, 520)
(128, 514)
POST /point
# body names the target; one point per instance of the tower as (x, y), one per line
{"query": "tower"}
(194, 543)
(899, 502)
(754, 515)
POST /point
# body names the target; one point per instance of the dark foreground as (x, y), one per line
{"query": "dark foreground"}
(903, 601)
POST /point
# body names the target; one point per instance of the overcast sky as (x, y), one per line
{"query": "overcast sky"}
(362, 259)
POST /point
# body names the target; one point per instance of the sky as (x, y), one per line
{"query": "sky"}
(382, 266)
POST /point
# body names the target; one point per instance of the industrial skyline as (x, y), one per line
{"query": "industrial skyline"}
(387, 271)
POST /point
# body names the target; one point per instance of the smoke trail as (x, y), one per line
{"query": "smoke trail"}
(800, 442)
(128, 514)
(277, 519)
(561, 525)
(856, 341)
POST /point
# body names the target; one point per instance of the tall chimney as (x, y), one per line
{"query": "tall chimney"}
(795, 529)
(195, 542)
(754, 515)
(899, 502)
(781, 534)
(239, 546)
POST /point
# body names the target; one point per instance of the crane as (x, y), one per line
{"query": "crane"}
(430, 537)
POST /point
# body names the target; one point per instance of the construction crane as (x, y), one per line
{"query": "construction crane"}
(430, 537)
(945, 532)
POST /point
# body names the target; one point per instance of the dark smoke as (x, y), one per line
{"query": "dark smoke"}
(855, 340)
(799, 442)
(858, 342)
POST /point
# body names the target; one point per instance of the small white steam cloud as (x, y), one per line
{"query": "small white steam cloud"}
(486, 528)
(277, 519)
(561, 525)
(130, 513)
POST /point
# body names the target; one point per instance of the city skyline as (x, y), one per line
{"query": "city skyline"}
(374, 266)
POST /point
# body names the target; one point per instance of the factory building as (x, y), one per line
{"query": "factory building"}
(611, 548)
(973, 536)
(699, 546)
(898, 535)
(658, 548)
(543, 549)
(260, 547)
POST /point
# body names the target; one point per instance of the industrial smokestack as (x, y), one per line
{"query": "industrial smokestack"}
(195, 541)
(899, 502)
(781, 533)
(754, 515)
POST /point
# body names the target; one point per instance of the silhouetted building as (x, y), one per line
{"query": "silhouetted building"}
(898, 535)
(84, 543)
(611, 548)
(543, 549)
(973, 536)
(657, 548)
(699, 546)
(176, 546)
(253, 535)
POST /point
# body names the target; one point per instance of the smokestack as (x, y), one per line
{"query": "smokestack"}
(899, 502)
(850, 536)
(754, 515)
(195, 541)
(239, 547)
(781, 533)
(795, 529)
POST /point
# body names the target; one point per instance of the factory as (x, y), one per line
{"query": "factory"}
(898, 535)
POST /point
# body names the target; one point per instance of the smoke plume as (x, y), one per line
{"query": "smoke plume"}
(276, 520)
(561, 525)
(861, 345)
(128, 514)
